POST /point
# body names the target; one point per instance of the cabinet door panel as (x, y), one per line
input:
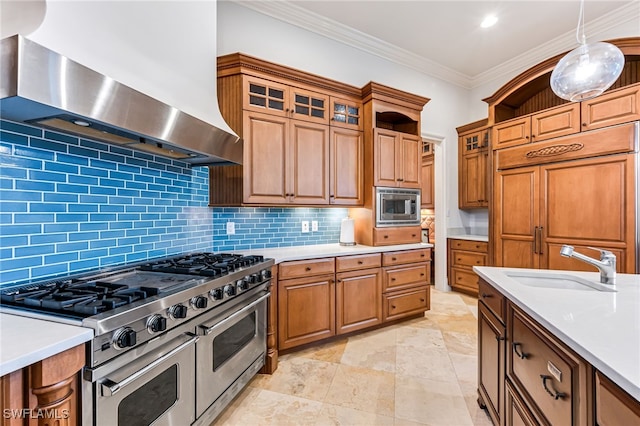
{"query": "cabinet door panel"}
(618, 106)
(589, 203)
(511, 133)
(265, 152)
(385, 158)
(346, 167)
(266, 96)
(491, 361)
(358, 300)
(427, 193)
(306, 310)
(517, 217)
(556, 122)
(309, 167)
(409, 161)
(309, 106)
(470, 175)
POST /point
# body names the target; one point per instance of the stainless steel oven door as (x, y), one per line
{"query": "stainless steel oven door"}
(157, 388)
(230, 342)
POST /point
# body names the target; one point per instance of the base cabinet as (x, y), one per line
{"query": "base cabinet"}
(527, 376)
(325, 297)
(463, 256)
(44, 393)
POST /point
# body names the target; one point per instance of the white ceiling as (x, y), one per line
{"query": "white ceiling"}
(444, 38)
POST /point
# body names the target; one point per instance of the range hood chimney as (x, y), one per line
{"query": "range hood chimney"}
(45, 89)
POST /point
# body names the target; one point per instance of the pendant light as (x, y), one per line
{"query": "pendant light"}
(588, 70)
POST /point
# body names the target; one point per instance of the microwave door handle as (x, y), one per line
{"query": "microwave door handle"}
(241, 312)
(110, 388)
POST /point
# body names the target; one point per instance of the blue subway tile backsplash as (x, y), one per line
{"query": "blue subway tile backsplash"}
(69, 204)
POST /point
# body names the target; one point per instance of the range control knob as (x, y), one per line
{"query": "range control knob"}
(242, 284)
(217, 293)
(199, 302)
(265, 274)
(124, 338)
(156, 323)
(254, 278)
(230, 290)
(178, 311)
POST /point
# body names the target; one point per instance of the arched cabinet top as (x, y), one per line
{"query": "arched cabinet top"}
(530, 91)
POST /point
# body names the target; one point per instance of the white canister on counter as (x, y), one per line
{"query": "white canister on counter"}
(347, 232)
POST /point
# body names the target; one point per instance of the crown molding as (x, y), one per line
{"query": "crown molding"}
(597, 30)
(310, 21)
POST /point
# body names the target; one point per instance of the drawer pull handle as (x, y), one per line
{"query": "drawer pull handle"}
(393, 279)
(422, 255)
(386, 236)
(393, 306)
(500, 338)
(422, 274)
(393, 259)
(422, 300)
(413, 235)
(522, 355)
(486, 295)
(555, 394)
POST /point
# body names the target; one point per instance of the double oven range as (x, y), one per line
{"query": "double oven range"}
(174, 339)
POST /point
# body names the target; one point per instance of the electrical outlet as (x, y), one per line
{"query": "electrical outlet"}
(231, 228)
(314, 225)
(305, 226)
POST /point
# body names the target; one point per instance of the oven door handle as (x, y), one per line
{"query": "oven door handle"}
(209, 330)
(110, 388)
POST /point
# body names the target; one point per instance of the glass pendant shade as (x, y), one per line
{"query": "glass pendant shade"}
(587, 71)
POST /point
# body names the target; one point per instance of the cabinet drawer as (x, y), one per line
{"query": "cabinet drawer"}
(467, 258)
(347, 263)
(390, 236)
(613, 405)
(410, 256)
(615, 107)
(479, 246)
(546, 375)
(491, 297)
(409, 276)
(516, 411)
(464, 279)
(400, 304)
(305, 268)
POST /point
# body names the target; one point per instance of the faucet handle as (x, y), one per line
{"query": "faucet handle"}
(604, 254)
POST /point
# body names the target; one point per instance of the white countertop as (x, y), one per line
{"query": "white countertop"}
(471, 237)
(601, 327)
(24, 341)
(283, 254)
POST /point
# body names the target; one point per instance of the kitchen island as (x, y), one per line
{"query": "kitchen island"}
(594, 335)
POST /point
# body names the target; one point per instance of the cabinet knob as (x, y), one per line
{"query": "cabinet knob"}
(393, 279)
(422, 299)
(486, 295)
(422, 255)
(526, 137)
(422, 274)
(413, 235)
(360, 262)
(386, 236)
(393, 259)
(307, 269)
(393, 306)
(584, 124)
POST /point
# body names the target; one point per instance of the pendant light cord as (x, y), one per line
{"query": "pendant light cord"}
(581, 39)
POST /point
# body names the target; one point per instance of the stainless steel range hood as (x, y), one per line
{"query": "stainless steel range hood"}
(43, 88)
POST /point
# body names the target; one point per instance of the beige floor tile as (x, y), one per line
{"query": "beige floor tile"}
(375, 350)
(363, 389)
(430, 402)
(273, 408)
(465, 323)
(465, 366)
(432, 364)
(337, 415)
(420, 337)
(462, 343)
(479, 416)
(330, 352)
(299, 376)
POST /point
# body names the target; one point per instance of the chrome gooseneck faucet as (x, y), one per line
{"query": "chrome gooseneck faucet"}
(606, 265)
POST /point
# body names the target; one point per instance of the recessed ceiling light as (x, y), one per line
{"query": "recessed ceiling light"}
(81, 123)
(489, 21)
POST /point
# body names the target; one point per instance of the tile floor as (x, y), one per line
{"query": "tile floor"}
(418, 372)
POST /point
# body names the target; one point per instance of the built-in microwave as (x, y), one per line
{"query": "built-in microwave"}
(397, 207)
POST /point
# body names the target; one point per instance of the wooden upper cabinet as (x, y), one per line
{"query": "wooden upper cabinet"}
(473, 155)
(346, 167)
(287, 161)
(396, 159)
(427, 173)
(276, 98)
(616, 107)
(555, 122)
(346, 113)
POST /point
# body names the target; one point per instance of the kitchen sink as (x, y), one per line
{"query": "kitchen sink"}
(554, 280)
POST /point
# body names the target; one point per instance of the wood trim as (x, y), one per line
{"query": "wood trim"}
(472, 127)
(240, 63)
(379, 91)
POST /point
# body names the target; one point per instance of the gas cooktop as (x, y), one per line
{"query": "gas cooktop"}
(86, 296)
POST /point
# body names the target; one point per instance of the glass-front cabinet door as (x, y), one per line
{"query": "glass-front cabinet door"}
(346, 113)
(309, 106)
(265, 96)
